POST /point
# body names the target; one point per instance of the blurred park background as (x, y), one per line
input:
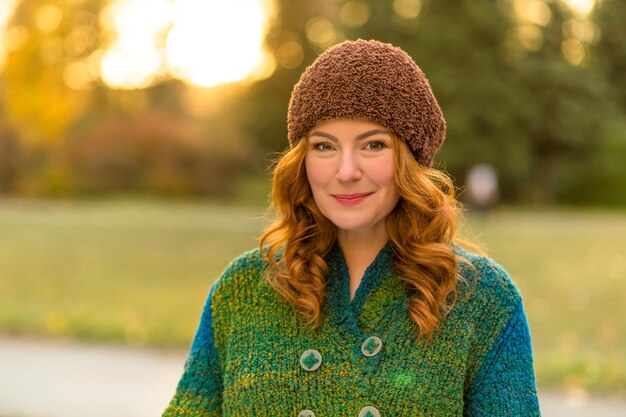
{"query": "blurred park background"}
(136, 135)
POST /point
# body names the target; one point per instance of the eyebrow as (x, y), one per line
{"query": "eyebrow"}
(358, 137)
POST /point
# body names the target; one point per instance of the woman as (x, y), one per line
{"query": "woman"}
(359, 302)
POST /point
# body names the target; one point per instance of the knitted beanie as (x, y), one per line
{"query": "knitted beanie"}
(374, 81)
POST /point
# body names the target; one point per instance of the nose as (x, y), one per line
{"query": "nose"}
(349, 168)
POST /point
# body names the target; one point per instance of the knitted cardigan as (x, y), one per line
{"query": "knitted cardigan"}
(253, 355)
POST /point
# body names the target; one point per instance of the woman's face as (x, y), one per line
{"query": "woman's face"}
(349, 165)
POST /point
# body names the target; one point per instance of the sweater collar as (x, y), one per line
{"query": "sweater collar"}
(338, 286)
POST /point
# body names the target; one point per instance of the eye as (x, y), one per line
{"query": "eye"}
(375, 145)
(323, 146)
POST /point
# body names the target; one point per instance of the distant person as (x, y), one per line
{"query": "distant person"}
(482, 187)
(361, 301)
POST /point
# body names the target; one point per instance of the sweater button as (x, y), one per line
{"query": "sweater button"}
(306, 413)
(371, 346)
(310, 360)
(369, 411)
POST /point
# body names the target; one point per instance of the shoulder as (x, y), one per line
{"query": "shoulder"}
(487, 298)
(487, 304)
(490, 317)
(243, 294)
(242, 277)
(245, 265)
(486, 284)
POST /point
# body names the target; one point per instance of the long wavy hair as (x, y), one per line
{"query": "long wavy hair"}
(421, 229)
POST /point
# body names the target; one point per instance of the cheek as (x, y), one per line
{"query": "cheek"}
(316, 172)
(382, 174)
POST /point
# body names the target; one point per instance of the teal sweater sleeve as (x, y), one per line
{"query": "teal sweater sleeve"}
(199, 392)
(505, 383)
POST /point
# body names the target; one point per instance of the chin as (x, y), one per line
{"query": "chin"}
(344, 222)
(352, 226)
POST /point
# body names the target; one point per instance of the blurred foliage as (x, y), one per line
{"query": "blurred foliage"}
(603, 178)
(527, 86)
(35, 97)
(154, 152)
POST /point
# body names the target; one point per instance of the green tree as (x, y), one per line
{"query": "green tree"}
(609, 54)
(602, 178)
(567, 107)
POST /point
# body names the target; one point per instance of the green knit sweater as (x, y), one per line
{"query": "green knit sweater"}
(253, 355)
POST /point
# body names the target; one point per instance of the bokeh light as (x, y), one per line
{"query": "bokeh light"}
(290, 54)
(322, 33)
(583, 30)
(354, 13)
(77, 75)
(407, 9)
(579, 32)
(533, 11)
(574, 51)
(48, 18)
(530, 37)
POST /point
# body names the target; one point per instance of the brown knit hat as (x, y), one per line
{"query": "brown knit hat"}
(374, 81)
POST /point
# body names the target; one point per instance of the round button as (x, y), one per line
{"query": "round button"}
(306, 413)
(310, 360)
(371, 346)
(369, 411)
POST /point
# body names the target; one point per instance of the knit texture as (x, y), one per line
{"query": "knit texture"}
(245, 358)
(374, 81)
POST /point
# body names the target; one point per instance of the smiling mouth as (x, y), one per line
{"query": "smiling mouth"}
(350, 199)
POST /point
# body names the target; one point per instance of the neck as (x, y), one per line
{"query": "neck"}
(353, 242)
(360, 250)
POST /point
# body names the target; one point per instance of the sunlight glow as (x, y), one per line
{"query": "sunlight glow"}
(134, 59)
(7, 8)
(204, 43)
(581, 8)
(215, 42)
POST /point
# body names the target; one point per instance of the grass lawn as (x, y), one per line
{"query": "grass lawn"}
(138, 273)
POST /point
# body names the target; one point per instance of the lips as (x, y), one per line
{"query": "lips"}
(350, 199)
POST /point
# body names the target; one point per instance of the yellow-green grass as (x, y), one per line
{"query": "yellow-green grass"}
(128, 271)
(138, 272)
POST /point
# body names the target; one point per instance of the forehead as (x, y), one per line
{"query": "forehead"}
(347, 126)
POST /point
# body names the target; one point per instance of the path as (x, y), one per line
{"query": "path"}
(69, 379)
